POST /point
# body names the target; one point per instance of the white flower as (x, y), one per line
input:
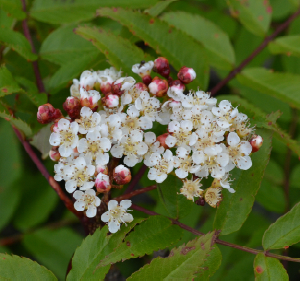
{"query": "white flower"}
(239, 151)
(143, 69)
(225, 113)
(89, 120)
(181, 134)
(176, 92)
(160, 167)
(79, 174)
(225, 183)
(153, 145)
(127, 83)
(89, 98)
(95, 148)
(74, 89)
(132, 146)
(241, 126)
(200, 99)
(185, 164)
(88, 79)
(111, 127)
(65, 136)
(87, 201)
(148, 106)
(191, 189)
(207, 138)
(117, 214)
(111, 73)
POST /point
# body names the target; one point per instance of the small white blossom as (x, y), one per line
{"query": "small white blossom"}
(88, 79)
(148, 106)
(89, 120)
(117, 214)
(191, 189)
(86, 201)
(225, 114)
(143, 69)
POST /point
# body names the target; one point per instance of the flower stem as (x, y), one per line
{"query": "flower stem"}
(136, 179)
(134, 193)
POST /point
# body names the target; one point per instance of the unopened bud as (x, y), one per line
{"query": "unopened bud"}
(54, 154)
(200, 202)
(102, 183)
(177, 85)
(110, 100)
(116, 89)
(72, 106)
(162, 140)
(121, 85)
(158, 87)
(89, 98)
(141, 86)
(88, 79)
(161, 66)
(186, 74)
(47, 113)
(122, 175)
(147, 79)
(105, 88)
(103, 169)
(256, 142)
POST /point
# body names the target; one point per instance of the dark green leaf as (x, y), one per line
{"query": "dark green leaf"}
(289, 45)
(182, 264)
(235, 207)
(207, 34)
(295, 177)
(7, 84)
(20, 269)
(6, 20)
(159, 7)
(285, 231)
(13, 7)
(156, 233)
(266, 269)
(170, 42)
(176, 205)
(57, 12)
(95, 248)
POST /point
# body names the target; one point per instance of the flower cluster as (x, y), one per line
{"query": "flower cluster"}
(113, 117)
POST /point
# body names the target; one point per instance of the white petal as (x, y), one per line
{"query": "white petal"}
(127, 217)
(71, 186)
(244, 163)
(161, 178)
(130, 160)
(65, 151)
(63, 124)
(133, 112)
(55, 139)
(186, 125)
(113, 227)
(91, 192)
(117, 151)
(233, 139)
(82, 145)
(136, 135)
(246, 147)
(223, 159)
(86, 112)
(105, 216)
(105, 144)
(112, 204)
(102, 159)
(170, 141)
(93, 136)
(79, 205)
(141, 148)
(74, 126)
(193, 138)
(181, 174)
(91, 170)
(125, 204)
(173, 126)
(78, 194)
(145, 123)
(91, 212)
(150, 137)
(87, 185)
(198, 157)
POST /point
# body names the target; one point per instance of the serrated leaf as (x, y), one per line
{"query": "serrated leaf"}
(17, 42)
(7, 84)
(69, 11)
(182, 264)
(266, 269)
(118, 50)
(176, 205)
(235, 207)
(285, 231)
(288, 45)
(208, 34)
(168, 41)
(53, 248)
(20, 269)
(93, 249)
(13, 7)
(284, 86)
(156, 233)
(255, 15)
(57, 49)
(159, 7)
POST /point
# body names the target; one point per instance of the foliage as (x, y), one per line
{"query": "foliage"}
(211, 36)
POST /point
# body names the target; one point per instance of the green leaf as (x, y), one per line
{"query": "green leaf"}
(211, 265)
(57, 49)
(254, 15)
(176, 205)
(285, 231)
(6, 20)
(170, 42)
(119, 51)
(69, 11)
(7, 84)
(288, 45)
(93, 249)
(17, 268)
(295, 176)
(53, 248)
(41, 140)
(209, 35)
(182, 264)
(159, 7)
(155, 234)
(235, 207)
(13, 7)
(284, 86)
(17, 42)
(266, 269)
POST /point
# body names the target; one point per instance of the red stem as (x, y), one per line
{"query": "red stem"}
(136, 179)
(267, 40)
(134, 193)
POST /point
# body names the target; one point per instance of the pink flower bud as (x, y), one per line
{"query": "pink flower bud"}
(158, 87)
(141, 86)
(110, 100)
(147, 79)
(89, 98)
(256, 142)
(116, 89)
(162, 140)
(186, 75)
(102, 169)
(54, 154)
(161, 66)
(47, 113)
(102, 183)
(177, 85)
(72, 106)
(122, 175)
(105, 88)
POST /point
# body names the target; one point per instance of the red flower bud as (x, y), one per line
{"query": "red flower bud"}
(147, 79)
(54, 154)
(186, 75)
(102, 183)
(72, 106)
(158, 87)
(110, 100)
(47, 113)
(105, 88)
(162, 140)
(256, 142)
(141, 86)
(161, 66)
(116, 89)
(122, 175)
